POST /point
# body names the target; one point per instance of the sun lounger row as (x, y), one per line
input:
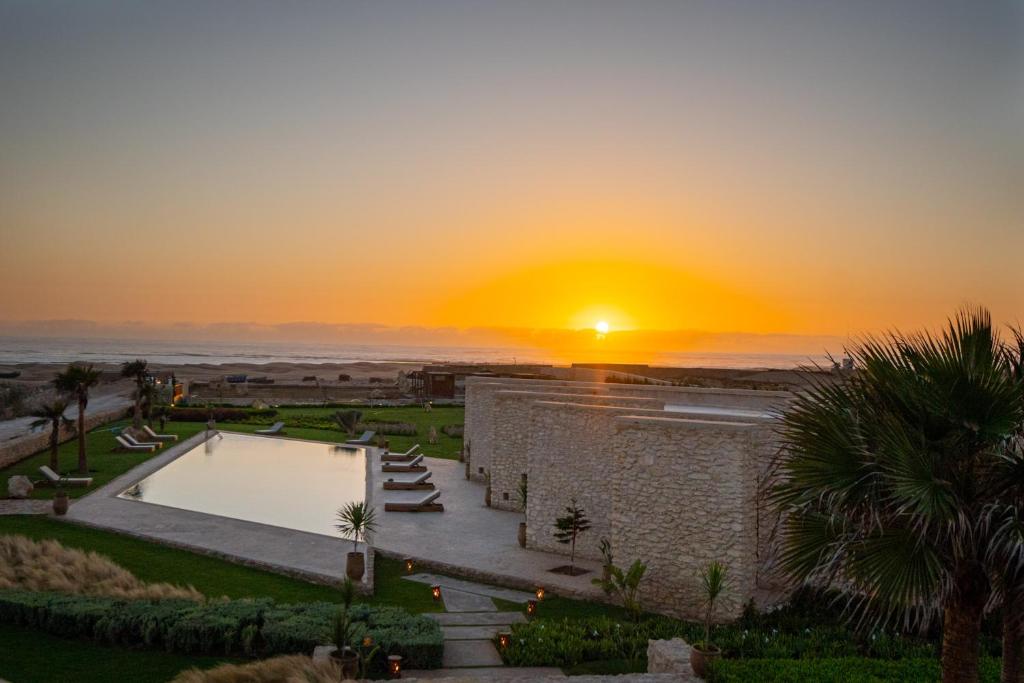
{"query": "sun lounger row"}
(275, 429)
(399, 457)
(414, 465)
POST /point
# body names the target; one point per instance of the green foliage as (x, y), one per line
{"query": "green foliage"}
(238, 627)
(570, 526)
(624, 584)
(178, 414)
(712, 582)
(348, 420)
(845, 670)
(355, 520)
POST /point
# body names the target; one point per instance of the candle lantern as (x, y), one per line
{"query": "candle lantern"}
(408, 565)
(367, 642)
(540, 593)
(436, 592)
(395, 666)
(504, 638)
(531, 607)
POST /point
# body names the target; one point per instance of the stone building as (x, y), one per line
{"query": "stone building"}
(669, 475)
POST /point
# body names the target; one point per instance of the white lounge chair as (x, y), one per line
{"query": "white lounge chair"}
(420, 483)
(54, 478)
(365, 440)
(159, 437)
(411, 466)
(125, 445)
(135, 442)
(424, 504)
(399, 457)
(276, 428)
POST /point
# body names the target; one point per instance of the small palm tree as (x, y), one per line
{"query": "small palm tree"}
(52, 415)
(712, 581)
(348, 420)
(75, 382)
(626, 584)
(356, 520)
(136, 370)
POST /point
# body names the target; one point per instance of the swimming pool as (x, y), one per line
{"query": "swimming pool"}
(281, 482)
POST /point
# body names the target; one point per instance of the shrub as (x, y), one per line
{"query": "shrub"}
(229, 627)
(845, 670)
(455, 431)
(49, 566)
(291, 668)
(219, 414)
(389, 428)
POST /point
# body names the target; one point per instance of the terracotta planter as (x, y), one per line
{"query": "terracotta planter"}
(349, 663)
(522, 534)
(60, 503)
(701, 660)
(355, 566)
(487, 497)
(467, 469)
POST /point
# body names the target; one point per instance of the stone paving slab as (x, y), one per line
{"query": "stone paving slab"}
(505, 675)
(25, 506)
(458, 601)
(477, 618)
(470, 587)
(463, 653)
(472, 632)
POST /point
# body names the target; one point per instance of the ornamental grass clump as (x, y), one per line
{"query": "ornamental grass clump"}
(47, 565)
(275, 670)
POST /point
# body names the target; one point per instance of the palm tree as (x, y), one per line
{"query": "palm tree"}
(75, 382)
(137, 370)
(356, 520)
(888, 482)
(52, 415)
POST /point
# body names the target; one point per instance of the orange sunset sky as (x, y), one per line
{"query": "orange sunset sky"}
(805, 168)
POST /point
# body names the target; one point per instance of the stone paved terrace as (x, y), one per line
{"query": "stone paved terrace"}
(467, 539)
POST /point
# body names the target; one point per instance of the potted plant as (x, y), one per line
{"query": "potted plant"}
(344, 654)
(523, 492)
(704, 653)
(356, 520)
(607, 561)
(487, 491)
(567, 530)
(60, 499)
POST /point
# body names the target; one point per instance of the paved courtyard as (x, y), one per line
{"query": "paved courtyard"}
(468, 538)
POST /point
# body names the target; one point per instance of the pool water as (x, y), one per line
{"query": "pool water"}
(281, 482)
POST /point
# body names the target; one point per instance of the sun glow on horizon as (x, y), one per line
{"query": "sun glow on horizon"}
(602, 327)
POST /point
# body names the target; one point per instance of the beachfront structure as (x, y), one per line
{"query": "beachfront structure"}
(669, 475)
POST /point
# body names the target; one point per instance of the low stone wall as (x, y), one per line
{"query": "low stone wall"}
(17, 450)
(670, 657)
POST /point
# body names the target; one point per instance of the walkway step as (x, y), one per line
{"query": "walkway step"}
(459, 601)
(472, 632)
(447, 582)
(463, 653)
(477, 618)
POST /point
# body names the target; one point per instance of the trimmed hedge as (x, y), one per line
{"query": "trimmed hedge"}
(229, 627)
(545, 642)
(844, 670)
(219, 414)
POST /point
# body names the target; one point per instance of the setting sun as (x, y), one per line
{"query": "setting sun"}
(602, 327)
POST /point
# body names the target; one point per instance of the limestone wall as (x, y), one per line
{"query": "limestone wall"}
(572, 454)
(686, 496)
(480, 405)
(513, 426)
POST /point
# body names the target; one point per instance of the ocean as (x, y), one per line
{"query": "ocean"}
(15, 350)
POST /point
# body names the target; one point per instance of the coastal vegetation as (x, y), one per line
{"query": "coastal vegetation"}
(75, 382)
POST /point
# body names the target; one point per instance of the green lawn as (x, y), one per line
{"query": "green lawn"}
(29, 656)
(106, 464)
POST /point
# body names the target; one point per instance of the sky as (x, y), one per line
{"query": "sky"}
(783, 168)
